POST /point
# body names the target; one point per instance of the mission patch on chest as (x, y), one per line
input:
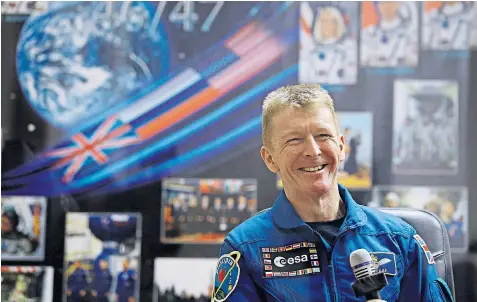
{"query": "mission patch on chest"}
(385, 262)
(293, 260)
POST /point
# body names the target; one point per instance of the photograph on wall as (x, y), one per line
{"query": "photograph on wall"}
(355, 172)
(449, 25)
(425, 127)
(102, 257)
(450, 204)
(27, 283)
(23, 228)
(328, 43)
(172, 283)
(389, 34)
(205, 210)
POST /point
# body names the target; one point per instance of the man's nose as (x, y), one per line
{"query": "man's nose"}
(312, 148)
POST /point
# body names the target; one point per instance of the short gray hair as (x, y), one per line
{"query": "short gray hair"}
(295, 96)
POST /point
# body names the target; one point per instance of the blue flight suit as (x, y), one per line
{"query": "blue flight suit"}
(414, 277)
(125, 285)
(77, 281)
(102, 284)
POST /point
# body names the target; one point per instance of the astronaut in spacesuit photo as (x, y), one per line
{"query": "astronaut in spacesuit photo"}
(328, 54)
(393, 40)
(450, 25)
(15, 241)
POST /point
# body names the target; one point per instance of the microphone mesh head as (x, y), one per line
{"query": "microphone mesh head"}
(362, 264)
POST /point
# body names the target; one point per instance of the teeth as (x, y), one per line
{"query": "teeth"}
(313, 169)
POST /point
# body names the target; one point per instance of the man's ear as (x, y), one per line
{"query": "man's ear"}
(268, 159)
(341, 145)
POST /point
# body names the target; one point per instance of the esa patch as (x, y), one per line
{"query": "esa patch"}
(385, 262)
(226, 276)
(425, 248)
(290, 261)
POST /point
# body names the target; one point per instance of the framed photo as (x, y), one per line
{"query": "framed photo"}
(172, 284)
(389, 34)
(449, 203)
(102, 257)
(204, 210)
(27, 283)
(328, 43)
(449, 25)
(425, 127)
(23, 228)
(356, 169)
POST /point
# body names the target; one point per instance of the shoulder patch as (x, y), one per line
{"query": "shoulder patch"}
(425, 248)
(226, 276)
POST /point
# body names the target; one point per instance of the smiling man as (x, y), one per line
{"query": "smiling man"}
(299, 249)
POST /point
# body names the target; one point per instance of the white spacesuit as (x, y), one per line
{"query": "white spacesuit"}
(453, 26)
(327, 55)
(393, 41)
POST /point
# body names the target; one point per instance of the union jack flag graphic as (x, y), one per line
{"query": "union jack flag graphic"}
(425, 248)
(109, 135)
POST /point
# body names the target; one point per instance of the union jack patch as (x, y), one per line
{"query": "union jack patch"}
(425, 248)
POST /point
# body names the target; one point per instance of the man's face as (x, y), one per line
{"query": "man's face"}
(242, 200)
(205, 202)
(230, 203)
(391, 203)
(6, 224)
(103, 264)
(447, 209)
(305, 150)
(388, 9)
(329, 25)
(347, 132)
(125, 265)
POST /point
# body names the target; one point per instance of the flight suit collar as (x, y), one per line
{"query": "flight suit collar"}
(285, 215)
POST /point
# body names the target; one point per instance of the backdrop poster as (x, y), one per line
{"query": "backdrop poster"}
(205, 210)
(425, 127)
(449, 25)
(23, 228)
(102, 256)
(27, 283)
(356, 169)
(449, 203)
(389, 34)
(175, 282)
(328, 43)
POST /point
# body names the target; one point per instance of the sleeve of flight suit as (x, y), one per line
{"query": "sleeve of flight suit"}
(421, 281)
(245, 290)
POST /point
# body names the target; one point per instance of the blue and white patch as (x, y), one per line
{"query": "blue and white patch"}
(385, 262)
(226, 276)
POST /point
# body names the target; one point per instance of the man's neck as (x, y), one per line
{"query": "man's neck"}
(317, 209)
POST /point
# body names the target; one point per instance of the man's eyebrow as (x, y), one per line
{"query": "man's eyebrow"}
(289, 133)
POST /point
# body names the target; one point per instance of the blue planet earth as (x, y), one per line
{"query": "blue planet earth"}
(78, 59)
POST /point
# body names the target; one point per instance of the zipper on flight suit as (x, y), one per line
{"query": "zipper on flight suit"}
(331, 293)
(335, 288)
(329, 259)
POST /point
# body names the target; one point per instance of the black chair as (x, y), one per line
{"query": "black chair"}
(434, 232)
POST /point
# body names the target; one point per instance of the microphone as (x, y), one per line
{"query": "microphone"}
(368, 280)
